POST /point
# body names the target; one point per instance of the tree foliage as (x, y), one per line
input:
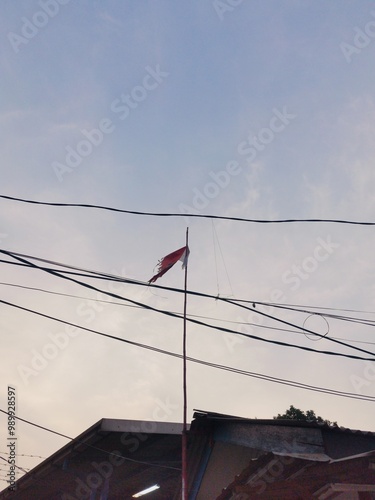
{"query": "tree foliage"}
(307, 416)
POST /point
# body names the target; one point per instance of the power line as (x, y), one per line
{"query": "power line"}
(5, 460)
(226, 330)
(363, 321)
(288, 323)
(318, 307)
(199, 361)
(107, 276)
(204, 216)
(70, 295)
(23, 455)
(5, 470)
(30, 473)
(221, 320)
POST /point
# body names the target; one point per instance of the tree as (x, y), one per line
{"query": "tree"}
(309, 416)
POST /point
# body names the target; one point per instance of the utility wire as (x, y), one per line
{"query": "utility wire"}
(303, 328)
(91, 287)
(23, 455)
(204, 216)
(106, 276)
(199, 361)
(227, 330)
(221, 320)
(17, 472)
(318, 307)
(72, 296)
(30, 473)
(167, 313)
(204, 295)
(363, 321)
(5, 460)
(75, 268)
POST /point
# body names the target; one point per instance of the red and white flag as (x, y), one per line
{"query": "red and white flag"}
(170, 260)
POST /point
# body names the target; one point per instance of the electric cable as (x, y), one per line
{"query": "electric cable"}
(203, 216)
(167, 313)
(91, 287)
(23, 455)
(107, 276)
(238, 304)
(195, 360)
(221, 320)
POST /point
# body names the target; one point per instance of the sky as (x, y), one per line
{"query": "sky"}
(254, 109)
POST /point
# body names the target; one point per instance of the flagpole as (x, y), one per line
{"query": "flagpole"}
(184, 428)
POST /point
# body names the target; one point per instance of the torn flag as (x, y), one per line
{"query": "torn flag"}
(170, 260)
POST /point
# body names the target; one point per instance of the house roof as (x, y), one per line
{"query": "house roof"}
(275, 477)
(228, 456)
(288, 437)
(132, 454)
(283, 458)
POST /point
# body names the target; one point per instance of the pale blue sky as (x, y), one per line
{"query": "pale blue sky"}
(221, 80)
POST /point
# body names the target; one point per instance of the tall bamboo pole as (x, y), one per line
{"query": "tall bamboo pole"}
(184, 428)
